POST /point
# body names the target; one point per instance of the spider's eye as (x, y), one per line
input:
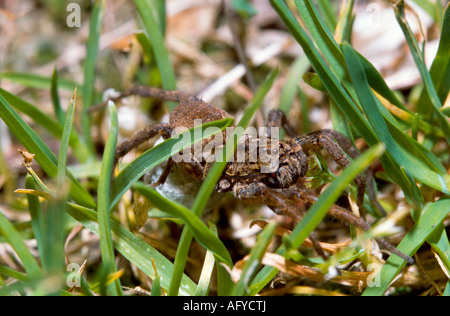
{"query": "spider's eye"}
(275, 151)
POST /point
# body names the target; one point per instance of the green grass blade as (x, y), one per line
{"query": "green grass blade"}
(156, 286)
(160, 8)
(64, 146)
(152, 30)
(432, 215)
(440, 68)
(44, 156)
(48, 229)
(322, 36)
(316, 213)
(4, 288)
(154, 156)
(54, 222)
(40, 118)
(59, 112)
(331, 51)
(343, 100)
(298, 68)
(379, 85)
(254, 261)
(180, 261)
(377, 82)
(314, 81)
(134, 249)
(104, 198)
(199, 230)
(37, 220)
(447, 289)
(92, 49)
(435, 104)
(13, 238)
(429, 7)
(211, 180)
(331, 82)
(372, 108)
(38, 82)
(14, 274)
(205, 279)
(329, 13)
(340, 122)
(305, 124)
(343, 31)
(439, 241)
(415, 151)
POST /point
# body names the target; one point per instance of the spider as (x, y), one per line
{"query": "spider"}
(283, 190)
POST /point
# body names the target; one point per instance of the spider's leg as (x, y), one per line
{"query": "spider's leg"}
(166, 171)
(148, 92)
(372, 193)
(161, 94)
(278, 202)
(284, 200)
(325, 138)
(339, 212)
(348, 147)
(348, 217)
(141, 137)
(277, 118)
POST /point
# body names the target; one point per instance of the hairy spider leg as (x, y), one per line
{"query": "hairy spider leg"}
(148, 92)
(141, 137)
(152, 130)
(348, 217)
(325, 139)
(165, 173)
(282, 202)
(276, 200)
(277, 118)
(281, 199)
(184, 115)
(348, 147)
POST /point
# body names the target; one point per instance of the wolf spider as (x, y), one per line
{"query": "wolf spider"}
(282, 190)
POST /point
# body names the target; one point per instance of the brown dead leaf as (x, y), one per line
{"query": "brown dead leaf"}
(350, 278)
(292, 268)
(27, 158)
(9, 15)
(191, 21)
(280, 231)
(123, 44)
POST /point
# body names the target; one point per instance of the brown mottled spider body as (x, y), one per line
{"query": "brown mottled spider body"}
(282, 189)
